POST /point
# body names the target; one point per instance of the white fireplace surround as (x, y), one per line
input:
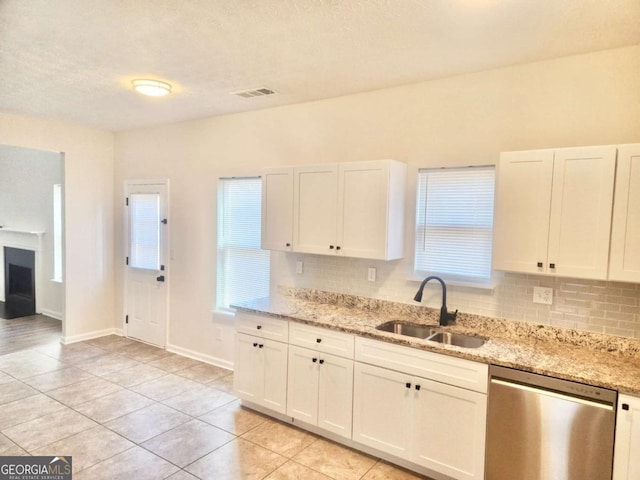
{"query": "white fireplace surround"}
(26, 240)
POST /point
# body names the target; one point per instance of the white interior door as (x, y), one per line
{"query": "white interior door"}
(146, 270)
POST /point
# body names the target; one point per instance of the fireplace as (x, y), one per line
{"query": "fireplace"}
(19, 283)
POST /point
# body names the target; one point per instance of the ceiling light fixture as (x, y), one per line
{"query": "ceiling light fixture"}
(152, 88)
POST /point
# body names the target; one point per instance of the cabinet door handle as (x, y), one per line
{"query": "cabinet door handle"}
(408, 385)
(625, 406)
(540, 264)
(260, 345)
(259, 327)
(330, 247)
(338, 247)
(288, 244)
(255, 344)
(321, 362)
(314, 360)
(417, 387)
(552, 265)
(318, 340)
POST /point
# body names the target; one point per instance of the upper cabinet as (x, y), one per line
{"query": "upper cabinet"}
(353, 209)
(277, 209)
(553, 211)
(624, 263)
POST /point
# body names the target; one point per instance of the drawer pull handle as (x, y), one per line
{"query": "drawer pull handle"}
(540, 264)
(314, 360)
(260, 345)
(417, 387)
(321, 362)
(552, 265)
(625, 406)
(318, 340)
(259, 327)
(330, 247)
(255, 344)
(408, 385)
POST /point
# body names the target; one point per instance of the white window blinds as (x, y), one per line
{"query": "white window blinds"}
(243, 267)
(144, 229)
(454, 223)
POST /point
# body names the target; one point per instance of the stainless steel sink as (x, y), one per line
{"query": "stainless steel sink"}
(431, 333)
(408, 329)
(457, 339)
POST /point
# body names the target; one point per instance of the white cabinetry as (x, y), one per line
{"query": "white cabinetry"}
(553, 211)
(624, 263)
(437, 425)
(353, 209)
(626, 462)
(260, 374)
(277, 209)
(320, 382)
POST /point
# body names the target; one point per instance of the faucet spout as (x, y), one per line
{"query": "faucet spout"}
(446, 318)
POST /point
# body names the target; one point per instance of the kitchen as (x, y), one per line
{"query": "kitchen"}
(467, 119)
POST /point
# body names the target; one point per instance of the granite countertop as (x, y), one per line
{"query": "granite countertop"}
(595, 359)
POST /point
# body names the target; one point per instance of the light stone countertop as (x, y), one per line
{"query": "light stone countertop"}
(595, 359)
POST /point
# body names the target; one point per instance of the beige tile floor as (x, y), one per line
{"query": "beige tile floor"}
(124, 409)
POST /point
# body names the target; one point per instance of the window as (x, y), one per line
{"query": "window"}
(144, 229)
(243, 267)
(57, 232)
(454, 223)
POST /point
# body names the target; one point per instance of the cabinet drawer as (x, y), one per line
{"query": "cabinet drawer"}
(321, 339)
(262, 326)
(434, 366)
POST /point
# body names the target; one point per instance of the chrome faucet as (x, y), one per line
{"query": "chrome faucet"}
(446, 318)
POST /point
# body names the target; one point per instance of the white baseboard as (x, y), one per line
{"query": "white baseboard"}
(88, 336)
(218, 362)
(52, 314)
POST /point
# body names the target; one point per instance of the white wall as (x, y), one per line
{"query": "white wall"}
(26, 202)
(581, 100)
(88, 179)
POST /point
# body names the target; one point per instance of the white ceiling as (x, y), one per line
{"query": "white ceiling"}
(74, 59)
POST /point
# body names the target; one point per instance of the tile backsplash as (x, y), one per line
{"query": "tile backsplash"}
(592, 305)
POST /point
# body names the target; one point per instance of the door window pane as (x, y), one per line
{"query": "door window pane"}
(144, 228)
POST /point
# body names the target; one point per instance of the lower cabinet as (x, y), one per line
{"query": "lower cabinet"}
(626, 462)
(260, 374)
(432, 424)
(320, 389)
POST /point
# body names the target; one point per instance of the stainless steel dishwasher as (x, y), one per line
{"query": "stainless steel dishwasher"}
(543, 428)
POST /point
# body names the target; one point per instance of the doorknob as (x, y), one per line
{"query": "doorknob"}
(160, 278)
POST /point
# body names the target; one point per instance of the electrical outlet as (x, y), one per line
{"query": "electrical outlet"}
(371, 274)
(543, 295)
(299, 267)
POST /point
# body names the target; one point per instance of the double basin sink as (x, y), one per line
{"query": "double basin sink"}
(432, 334)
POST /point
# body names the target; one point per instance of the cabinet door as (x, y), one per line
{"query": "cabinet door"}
(523, 199)
(450, 430)
(248, 375)
(581, 202)
(314, 209)
(335, 395)
(626, 462)
(274, 358)
(302, 388)
(277, 209)
(362, 209)
(382, 409)
(624, 264)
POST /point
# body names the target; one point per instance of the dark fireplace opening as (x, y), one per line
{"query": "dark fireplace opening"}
(19, 283)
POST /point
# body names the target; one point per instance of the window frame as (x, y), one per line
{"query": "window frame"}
(222, 248)
(482, 282)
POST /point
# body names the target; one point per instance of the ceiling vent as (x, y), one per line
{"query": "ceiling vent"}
(256, 92)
